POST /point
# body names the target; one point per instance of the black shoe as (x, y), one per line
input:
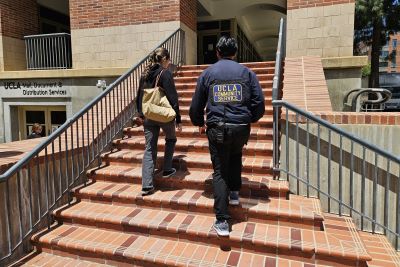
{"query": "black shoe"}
(147, 191)
(169, 173)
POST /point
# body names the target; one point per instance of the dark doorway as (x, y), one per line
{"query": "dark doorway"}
(209, 52)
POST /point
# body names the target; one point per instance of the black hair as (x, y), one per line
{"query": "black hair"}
(156, 57)
(227, 46)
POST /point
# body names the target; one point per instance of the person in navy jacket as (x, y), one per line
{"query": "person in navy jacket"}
(232, 97)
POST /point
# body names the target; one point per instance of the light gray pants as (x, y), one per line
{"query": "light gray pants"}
(151, 133)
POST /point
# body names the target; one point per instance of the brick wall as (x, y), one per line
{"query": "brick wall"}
(188, 13)
(105, 13)
(19, 18)
(296, 4)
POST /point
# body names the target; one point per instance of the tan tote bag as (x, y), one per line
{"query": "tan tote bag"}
(155, 105)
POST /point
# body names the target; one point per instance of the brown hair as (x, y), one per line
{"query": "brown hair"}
(156, 57)
(36, 127)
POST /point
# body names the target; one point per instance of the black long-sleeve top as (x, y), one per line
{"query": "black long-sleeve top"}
(166, 82)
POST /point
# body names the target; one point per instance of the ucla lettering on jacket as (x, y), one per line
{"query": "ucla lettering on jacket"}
(227, 93)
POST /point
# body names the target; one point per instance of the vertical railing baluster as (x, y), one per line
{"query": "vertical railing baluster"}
(60, 171)
(386, 204)
(98, 130)
(19, 197)
(363, 188)
(287, 144)
(47, 187)
(83, 145)
(297, 155)
(78, 153)
(351, 177)
(39, 186)
(318, 160)
(102, 125)
(73, 178)
(114, 103)
(397, 208)
(53, 160)
(375, 185)
(329, 168)
(340, 175)
(9, 223)
(93, 139)
(308, 157)
(28, 173)
(88, 140)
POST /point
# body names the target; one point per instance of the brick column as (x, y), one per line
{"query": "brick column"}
(18, 19)
(322, 28)
(120, 33)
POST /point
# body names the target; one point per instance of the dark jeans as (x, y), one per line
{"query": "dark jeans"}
(226, 158)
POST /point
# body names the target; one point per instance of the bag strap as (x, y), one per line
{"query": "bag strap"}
(158, 78)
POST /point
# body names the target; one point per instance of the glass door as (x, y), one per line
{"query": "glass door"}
(49, 117)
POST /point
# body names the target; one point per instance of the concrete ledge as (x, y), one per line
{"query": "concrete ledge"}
(344, 62)
(71, 73)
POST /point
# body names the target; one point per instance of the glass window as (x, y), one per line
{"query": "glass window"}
(225, 25)
(35, 117)
(394, 43)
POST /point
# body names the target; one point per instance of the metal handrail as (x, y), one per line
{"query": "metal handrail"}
(277, 85)
(374, 167)
(80, 140)
(313, 161)
(332, 127)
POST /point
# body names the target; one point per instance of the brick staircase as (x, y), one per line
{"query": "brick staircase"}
(112, 224)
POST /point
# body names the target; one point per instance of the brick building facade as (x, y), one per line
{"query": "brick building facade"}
(108, 37)
(18, 19)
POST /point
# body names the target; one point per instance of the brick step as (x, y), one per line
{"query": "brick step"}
(193, 132)
(265, 85)
(264, 122)
(184, 110)
(130, 249)
(252, 185)
(259, 237)
(189, 227)
(193, 79)
(188, 161)
(196, 73)
(251, 65)
(253, 148)
(273, 211)
(187, 100)
(47, 259)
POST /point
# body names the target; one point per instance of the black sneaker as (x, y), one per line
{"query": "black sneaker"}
(147, 191)
(169, 173)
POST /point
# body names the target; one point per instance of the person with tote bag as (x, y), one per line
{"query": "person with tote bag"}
(157, 84)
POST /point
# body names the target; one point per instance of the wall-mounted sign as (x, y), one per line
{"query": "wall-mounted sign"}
(42, 88)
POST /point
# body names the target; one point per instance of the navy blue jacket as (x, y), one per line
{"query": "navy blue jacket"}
(219, 89)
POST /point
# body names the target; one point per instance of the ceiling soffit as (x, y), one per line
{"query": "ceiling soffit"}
(259, 19)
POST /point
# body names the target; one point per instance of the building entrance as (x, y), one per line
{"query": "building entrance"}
(50, 117)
